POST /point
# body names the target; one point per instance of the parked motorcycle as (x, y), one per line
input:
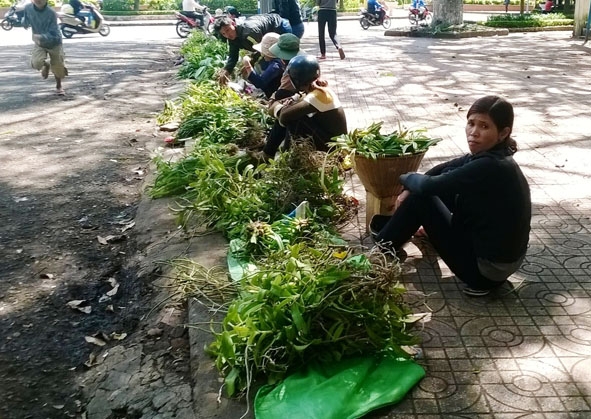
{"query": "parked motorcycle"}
(420, 16)
(370, 19)
(186, 24)
(70, 24)
(12, 19)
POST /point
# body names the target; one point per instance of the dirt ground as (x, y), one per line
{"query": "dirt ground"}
(72, 173)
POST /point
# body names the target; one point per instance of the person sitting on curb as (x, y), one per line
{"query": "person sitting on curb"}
(272, 67)
(48, 42)
(244, 35)
(475, 209)
(287, 47)
(314, 113)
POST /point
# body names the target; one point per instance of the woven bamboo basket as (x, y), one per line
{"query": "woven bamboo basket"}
(380, 180)
(380, 176)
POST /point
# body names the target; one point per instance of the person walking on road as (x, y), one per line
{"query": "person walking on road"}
(327, 14)
(48, 42)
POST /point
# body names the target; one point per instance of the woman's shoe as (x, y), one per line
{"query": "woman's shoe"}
(472, 292)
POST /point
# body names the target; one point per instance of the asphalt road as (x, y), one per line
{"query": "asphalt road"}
(71, 171)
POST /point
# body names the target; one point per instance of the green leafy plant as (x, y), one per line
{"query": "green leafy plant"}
(213, 114)
(528, 20)
(229, 198)
(369, 142)
(203, 56)
(310, 302)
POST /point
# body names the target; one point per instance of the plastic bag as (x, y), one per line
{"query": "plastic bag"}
(341, 390)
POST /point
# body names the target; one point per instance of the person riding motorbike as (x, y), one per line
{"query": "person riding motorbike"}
(194, 10)
(418, 5)
(377, 9)
(78, 6)
(19, 9)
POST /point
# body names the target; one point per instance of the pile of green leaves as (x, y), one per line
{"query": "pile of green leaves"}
(203, 56)
(370, 143)
(214, 114)
(228, 197)
(309, 300)
(528, 20)
(174, 178)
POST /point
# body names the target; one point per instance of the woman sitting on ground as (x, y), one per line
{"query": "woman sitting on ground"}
(475, 209)
(314, 112)
(268, 78)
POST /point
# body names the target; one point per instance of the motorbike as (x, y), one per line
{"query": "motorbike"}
(370, 19)
(12, 19)
(186, 24)
(420, 16)
(70, 24)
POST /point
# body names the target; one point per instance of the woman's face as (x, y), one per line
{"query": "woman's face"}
(482, 133)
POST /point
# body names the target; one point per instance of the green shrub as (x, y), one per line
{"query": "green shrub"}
(162, 4)
(534, 20)
(118, 5)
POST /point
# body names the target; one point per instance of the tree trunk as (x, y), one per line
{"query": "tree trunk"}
(448, 12)
(136, 5)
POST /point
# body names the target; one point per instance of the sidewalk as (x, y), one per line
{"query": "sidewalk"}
(524, 351)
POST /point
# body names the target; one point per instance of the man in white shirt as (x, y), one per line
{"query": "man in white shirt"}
(192, 6)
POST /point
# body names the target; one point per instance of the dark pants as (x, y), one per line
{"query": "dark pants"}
(435, 217)
(327, 17)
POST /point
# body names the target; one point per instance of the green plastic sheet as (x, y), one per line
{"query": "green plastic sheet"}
(341, 390)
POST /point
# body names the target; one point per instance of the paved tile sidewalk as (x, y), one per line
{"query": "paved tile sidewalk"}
(526, 350)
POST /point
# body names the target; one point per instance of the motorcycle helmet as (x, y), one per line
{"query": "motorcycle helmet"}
(302, 70)
(67, 9)
(232, 11)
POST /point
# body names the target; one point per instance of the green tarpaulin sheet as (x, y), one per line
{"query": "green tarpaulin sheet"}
(341, 390)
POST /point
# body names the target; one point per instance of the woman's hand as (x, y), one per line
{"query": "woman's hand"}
(400, 198)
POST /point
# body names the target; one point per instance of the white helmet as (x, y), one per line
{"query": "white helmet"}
(67, 9)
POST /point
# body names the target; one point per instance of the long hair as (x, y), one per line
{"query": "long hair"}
(501, 113)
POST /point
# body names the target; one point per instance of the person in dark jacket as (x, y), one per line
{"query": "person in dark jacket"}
(290, 10)
(475, 209)
(48, 42)
(246, 34)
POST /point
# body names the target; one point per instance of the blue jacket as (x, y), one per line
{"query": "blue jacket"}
(43, 22)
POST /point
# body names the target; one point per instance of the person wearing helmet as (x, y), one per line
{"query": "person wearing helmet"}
(244, 35)
(314, 112)
(232, 12)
